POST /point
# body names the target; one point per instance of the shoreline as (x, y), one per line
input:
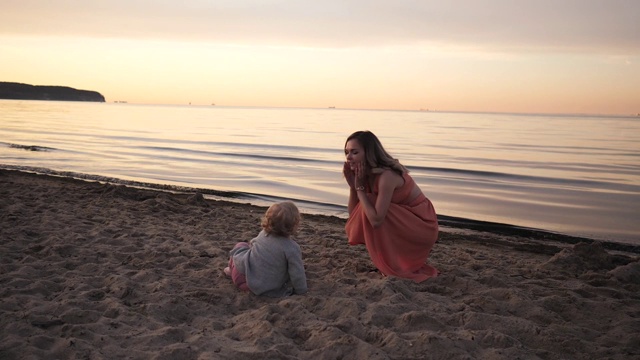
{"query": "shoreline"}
(94, 270)
(320, 209)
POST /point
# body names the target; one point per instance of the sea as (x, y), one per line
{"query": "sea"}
(576, 175)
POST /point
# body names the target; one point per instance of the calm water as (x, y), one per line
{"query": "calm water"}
(576, 175)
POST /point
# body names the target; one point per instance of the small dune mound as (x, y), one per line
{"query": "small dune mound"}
(197, 199)
(580, 258)
(629, 273)
(125, 192)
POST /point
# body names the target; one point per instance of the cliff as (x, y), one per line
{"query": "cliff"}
(18, 91)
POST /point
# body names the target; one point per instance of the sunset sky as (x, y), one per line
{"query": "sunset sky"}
(538, 56)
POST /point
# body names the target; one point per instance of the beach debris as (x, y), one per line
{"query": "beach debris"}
(30, 147)
(45, 324)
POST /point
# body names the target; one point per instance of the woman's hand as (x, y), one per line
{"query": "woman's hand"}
(349, 175)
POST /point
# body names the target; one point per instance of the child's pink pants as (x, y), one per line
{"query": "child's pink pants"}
(239, 279)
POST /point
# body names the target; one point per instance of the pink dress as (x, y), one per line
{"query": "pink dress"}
(401, 245)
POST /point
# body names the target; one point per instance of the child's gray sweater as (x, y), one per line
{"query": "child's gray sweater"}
(273, 265)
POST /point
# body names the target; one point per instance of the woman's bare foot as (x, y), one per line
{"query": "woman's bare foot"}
(227, 271)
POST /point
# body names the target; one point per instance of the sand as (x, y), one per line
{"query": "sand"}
(99, 271)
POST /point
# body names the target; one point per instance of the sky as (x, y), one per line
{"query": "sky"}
(538, 56)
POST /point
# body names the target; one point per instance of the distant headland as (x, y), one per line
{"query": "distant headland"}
(19, 91)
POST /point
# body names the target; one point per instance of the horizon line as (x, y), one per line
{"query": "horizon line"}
(426, 110)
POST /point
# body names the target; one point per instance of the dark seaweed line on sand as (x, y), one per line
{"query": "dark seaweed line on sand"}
(541, 236)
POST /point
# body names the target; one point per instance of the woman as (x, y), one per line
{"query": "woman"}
(387, 210)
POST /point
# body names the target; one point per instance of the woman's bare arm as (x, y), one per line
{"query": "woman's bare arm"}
(377, 212)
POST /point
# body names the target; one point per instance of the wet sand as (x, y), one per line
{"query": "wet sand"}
(101, 271)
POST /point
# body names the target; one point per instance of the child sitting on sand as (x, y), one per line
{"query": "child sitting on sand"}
(271, 264)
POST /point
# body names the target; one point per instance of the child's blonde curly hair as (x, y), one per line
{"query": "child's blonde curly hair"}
(281, 219)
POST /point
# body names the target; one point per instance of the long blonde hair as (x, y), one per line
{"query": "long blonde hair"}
(377, 158)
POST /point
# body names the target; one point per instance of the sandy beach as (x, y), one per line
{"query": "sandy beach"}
(98, 271)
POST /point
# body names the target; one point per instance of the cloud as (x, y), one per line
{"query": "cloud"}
(543, 25)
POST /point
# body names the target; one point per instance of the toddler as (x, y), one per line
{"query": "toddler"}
(271, 263)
